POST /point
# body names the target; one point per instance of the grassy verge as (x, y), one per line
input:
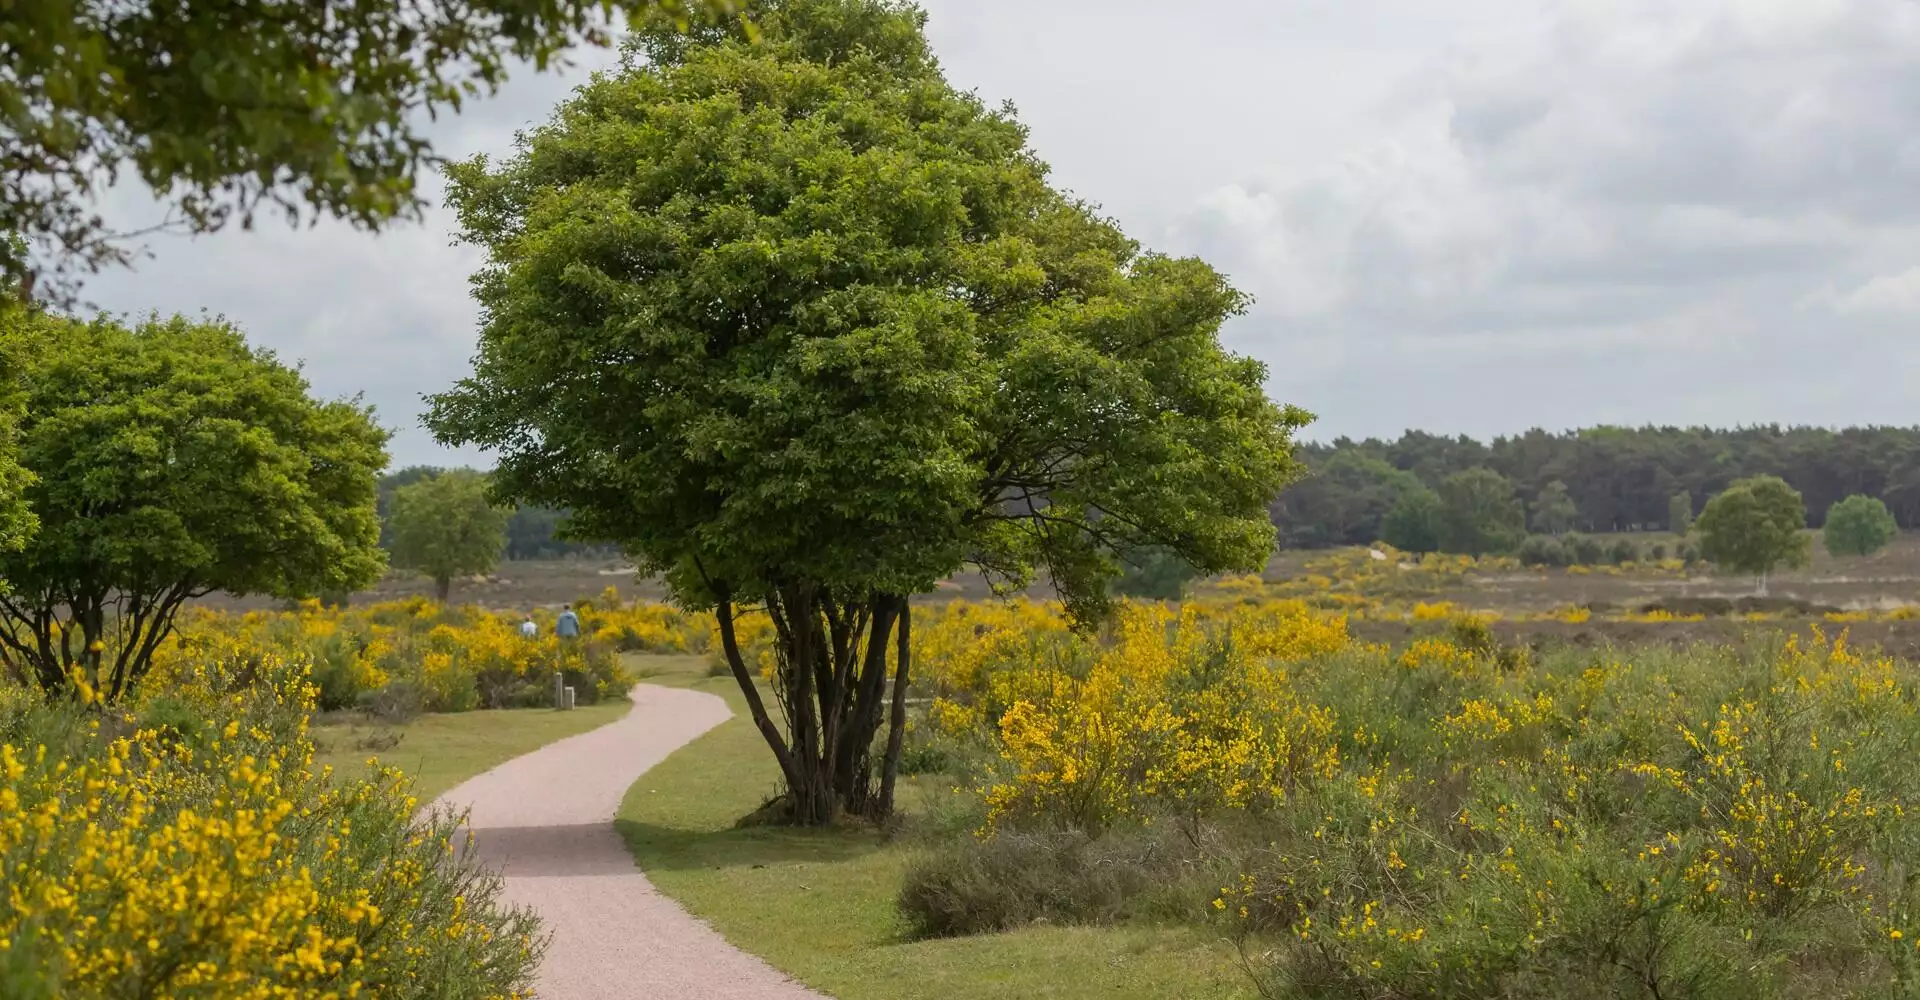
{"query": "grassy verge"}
(819, 905)
(441, 751)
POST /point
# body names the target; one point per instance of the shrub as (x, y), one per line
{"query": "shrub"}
(1623, 551)
(975, 886)
(1542, 550)
(1584, 550)
(185, 849)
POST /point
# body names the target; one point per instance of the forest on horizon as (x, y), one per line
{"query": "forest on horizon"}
(1616, 478)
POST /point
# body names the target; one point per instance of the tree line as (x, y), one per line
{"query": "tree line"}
(1595, 480)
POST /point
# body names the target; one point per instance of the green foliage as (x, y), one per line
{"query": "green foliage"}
(174, 461)
(445, 526)
(1553, 510)
(1753, 526)
(1858, 526)
(1622, 551)
(1480, 513)
(1680, 513)
(306, 108)
(1584, 550)
(1625, 479)
(913, 331)
(1542, 550)
(1413, 523)
(797, 323)
(17, 521)
(1343, 500)
(1155, 573)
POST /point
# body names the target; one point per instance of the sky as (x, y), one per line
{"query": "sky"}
(1473, 217)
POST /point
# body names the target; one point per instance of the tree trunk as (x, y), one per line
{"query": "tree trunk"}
(830, 683)
(897, 726)
(442, 588)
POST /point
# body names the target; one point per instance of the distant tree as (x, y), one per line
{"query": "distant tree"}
(1680, 513)
(1584, 550)
(1480, 513)
(1753, 526)
(1413, 524)
(1542, 550)
(445, 526)
(1553, 509)
(1155, 573)
(174, 461)
(1342, 500)
(1858, 526)
(1623, 551)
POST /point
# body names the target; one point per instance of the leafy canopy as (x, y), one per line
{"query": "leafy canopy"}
(1858, 526)
(1480, 513)
(801, 311)
(1553, 509)
(174, 461)
(445, 526)
(1753, 526)
(308, 107)
(1414, 522)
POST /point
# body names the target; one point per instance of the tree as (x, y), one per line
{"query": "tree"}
(174, 461)
(1553, 509)
(1414, 522)
(803, 328)
(1753, 526)
(1343, 500)
(1155, 573)
(1680, 513)
(311, 108)
(445, 526)
(1479, 513)
(17, 521)
(1858, 526)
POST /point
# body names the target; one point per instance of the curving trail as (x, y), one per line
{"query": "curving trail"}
(546, 819)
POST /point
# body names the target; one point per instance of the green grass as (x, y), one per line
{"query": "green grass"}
(819, 905)
(441, 751)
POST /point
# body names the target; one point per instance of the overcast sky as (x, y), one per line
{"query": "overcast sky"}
(1468, 217)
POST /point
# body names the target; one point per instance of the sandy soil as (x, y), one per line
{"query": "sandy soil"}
(546, 819)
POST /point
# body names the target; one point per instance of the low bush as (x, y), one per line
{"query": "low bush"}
(975, 886)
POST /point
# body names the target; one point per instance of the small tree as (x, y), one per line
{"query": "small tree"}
(1753, 526)
(174, 461)
(803, 327)
(1480, 513)
(445, 526)
(1859, 526)
(1553, 509)
(1680, 513)
(1413, 523)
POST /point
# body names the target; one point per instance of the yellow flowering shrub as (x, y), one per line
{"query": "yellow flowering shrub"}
(183, 848)
(445, 659)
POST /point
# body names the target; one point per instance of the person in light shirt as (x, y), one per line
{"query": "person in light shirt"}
(528, 628)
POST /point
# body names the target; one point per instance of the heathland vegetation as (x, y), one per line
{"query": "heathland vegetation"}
(804, 331)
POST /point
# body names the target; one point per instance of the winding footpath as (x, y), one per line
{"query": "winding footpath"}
(546, 820)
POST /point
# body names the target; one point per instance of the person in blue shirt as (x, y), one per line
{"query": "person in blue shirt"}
(568, 627)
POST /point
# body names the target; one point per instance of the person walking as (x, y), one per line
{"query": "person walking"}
(568, 626)
(528, 628)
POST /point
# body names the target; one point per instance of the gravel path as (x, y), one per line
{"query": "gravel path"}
(547, 820)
